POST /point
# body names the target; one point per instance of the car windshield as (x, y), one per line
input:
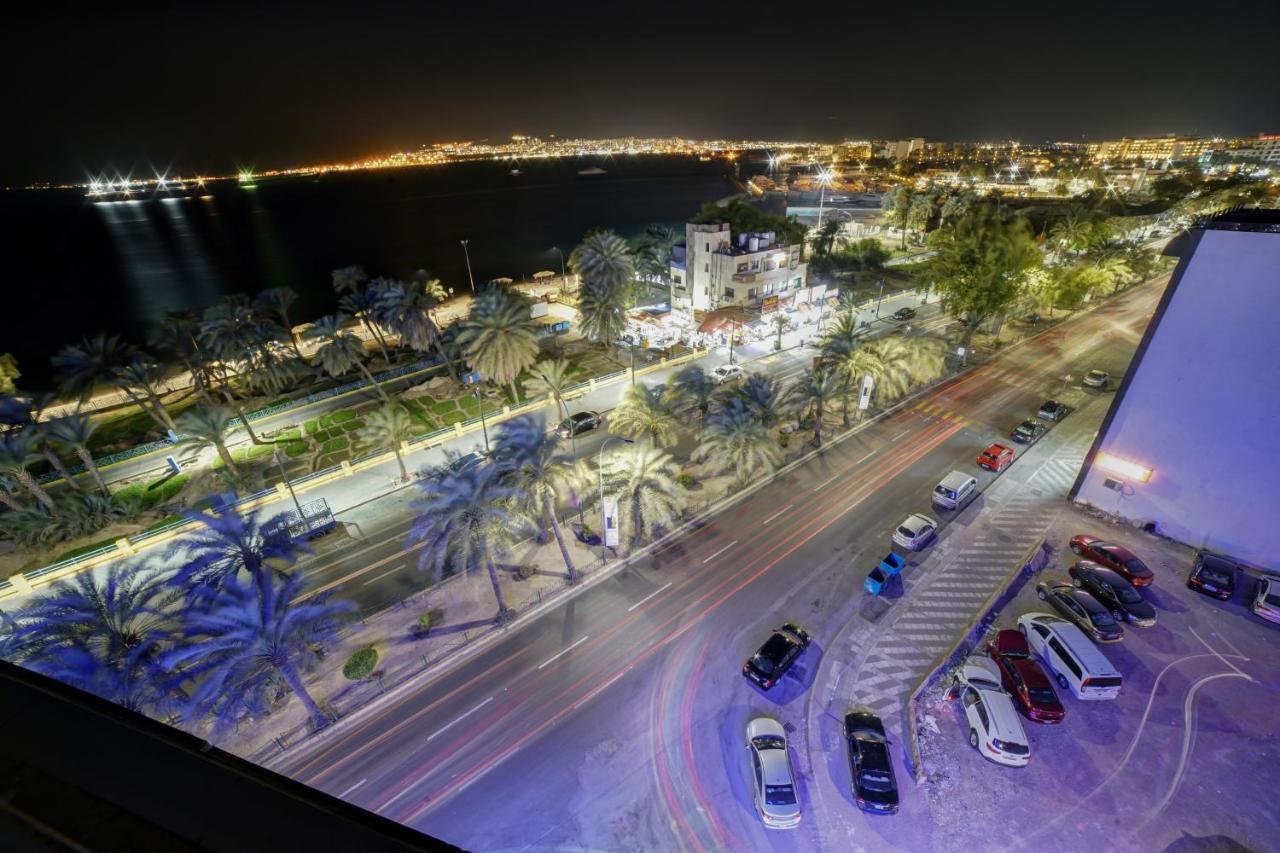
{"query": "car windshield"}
(1135, 566)
(1102, 619)
(1272, 599)
(1214, 576)
(1043, 696)
(780, 795)
(1127, 594)
(876, 780)
(769, 742)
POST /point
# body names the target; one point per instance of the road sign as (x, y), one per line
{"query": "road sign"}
(864, 399)
(610, 524)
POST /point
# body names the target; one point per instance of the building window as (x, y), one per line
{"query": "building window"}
(751, 294)
(755, 265)
(706, 267)
(678, 279)
(795, 282)
(728, 293)
(708, 247)
(783, 285)
(768, 290)
(742, 266)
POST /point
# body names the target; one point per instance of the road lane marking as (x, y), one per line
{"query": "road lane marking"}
(562, 653)
(343, 795)
(460, 719)
(776, 514)
(900, 435)
(384, 575)
(721, 551)
(650, 595)
(829, 481)
(865, 458)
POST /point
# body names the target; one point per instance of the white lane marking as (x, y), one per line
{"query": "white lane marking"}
(865, 458)
(658, 591)
(900, 435)
(828, 481)
(459, 719)
(778, 513)
(562, 653)
(1219, 656)
(384, 575)
(352, 788)
(721, 551)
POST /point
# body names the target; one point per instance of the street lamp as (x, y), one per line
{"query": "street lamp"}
(881, 298)
(467, 255)
(600, 471)
(285, 479)
(564, 279)
(484, 427)
(824, 178)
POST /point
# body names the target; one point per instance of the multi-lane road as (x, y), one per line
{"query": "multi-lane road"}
(615, 721)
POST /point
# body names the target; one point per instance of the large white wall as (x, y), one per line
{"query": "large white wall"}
(1202, 408)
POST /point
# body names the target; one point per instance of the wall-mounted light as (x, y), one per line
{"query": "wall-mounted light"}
(1123, 467)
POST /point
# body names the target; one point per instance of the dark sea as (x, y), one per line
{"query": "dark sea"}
(74, 268)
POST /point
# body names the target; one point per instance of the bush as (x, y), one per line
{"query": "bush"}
(296, 449)
(155, 492)
(335, 444)
(353, 426)
(288, 435)
(686, 480)
(360, 665)
(311, 426)
(341, 417)
(326, 421)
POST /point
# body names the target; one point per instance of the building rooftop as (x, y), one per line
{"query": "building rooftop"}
(1245, 219)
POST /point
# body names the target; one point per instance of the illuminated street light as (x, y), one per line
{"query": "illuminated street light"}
(824, 178)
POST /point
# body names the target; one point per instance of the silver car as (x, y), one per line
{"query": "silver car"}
(772, 781)
(1096, 379)
(916, 532)
(1266, 598)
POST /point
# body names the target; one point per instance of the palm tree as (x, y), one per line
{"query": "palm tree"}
(1115, 268)
(466, 517)
(409, 311)
(498, 337)
(643, 413)
(140, 380)
(208, 426)
(249, 636)
(603, 313)
(388, 428)
(178, 336)
(920, 211)
(768, 400)
(349, 279)
(956, 205)
(15, 456)
(693, 387)
(43, 440)
(340, 351)
(82, 367)
(105, 634)
(605, 266)
(8, 486)
(816, 390)
(230, 543)
(542, 475)
(1071, 233)
(361, 304)
(653, 255)
(736, 439)
(550, 377)
(644, 479)
(851, 365)
(275, 302)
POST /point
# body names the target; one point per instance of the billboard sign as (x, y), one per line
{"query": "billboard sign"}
(864, 398)
(610, 522)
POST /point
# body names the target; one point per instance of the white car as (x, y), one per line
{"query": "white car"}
(1096, 379)
(772, 781)
(916, 532)
(994, 728)
(726, 373)
(1266, 598)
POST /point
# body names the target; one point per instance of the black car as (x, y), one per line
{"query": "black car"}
(578, 423)
(1213, 574)
(1113, 592)
(904, 314)
(1082, 609)
(1052, 410)
(1027, 431)
(874, 788)
(776, 656)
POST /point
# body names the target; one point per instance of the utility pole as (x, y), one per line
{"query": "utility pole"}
(467, 255)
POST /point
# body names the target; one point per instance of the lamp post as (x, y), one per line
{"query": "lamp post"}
(600, 471)
(467, 255)
(285, 478)
(881, 298)
(824, 176)
(564, 279)
(484, 427)
(733, 328)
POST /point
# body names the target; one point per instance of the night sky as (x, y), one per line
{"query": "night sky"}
(205, 87)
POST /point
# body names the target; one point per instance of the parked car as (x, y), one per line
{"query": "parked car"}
(578, 423)
(1024, 679)
(1082, 609)
(1070, 658)
(1052, 410)
(955, 490)
(1027, 431)
(726, 373)
(874, 788)
(994, 728)
(995, 458)
(1266, 598)
(1114, 593)
(916, 532)
(1213, 574)
(1096, 379)
(904, 314)
(772, 782)
(776, 656)
(1115, 557)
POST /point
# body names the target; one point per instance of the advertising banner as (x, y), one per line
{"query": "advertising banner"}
(610, 522)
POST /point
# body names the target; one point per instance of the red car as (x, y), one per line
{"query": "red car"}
(1024, 679)
(995, 457)
(1119, 560)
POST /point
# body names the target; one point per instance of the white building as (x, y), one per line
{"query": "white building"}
(1266, 148)
(715, 268)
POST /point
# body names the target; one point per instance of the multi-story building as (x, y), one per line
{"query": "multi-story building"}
(716, 268)
(1266, 148)
(1158, 149)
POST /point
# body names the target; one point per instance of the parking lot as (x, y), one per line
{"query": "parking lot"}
(1186, 756)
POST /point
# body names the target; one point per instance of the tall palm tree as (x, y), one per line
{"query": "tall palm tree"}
(249, 636)
(653, 254)
(178, 336)
(8, 488)
(275, 302)
(349, 279)
(408, 309)
(81, 368)
(541, 473)
(229, 544)
(693, 387)
(768, 400)
(644, 479)
(1071, 233)
(16, 454)
(388, 428)
(1114, 267)
(851, 365)
(44, 439)
(105, 634)
(498, 337)
(361, 304)
(643, 412)
(921, 211)
(603, 313)
(208, 426)
(605, 266)
(735, 439)
(816, 390)
(340, 351)
(140, 379)
(550, 377)
(468, 517)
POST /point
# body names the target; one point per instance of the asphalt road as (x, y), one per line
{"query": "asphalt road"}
(615, 721)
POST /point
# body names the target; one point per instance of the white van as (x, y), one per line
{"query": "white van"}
(1070, 657)
(955, 490)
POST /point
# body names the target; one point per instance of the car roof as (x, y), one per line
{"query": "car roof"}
(980, 667)
(1010, 640)
(1004, 719)
(955, 479)
(1108, 576)
(996, 449)
(862, 720)
(776, 769)
(915, 522)
(765, 726)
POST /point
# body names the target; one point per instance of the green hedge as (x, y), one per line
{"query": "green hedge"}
(311, 426)
(360, 665)
(155, 492)
(296, 449)
(353, 426)
(452, 418)
(335, 444)
(342, 416)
